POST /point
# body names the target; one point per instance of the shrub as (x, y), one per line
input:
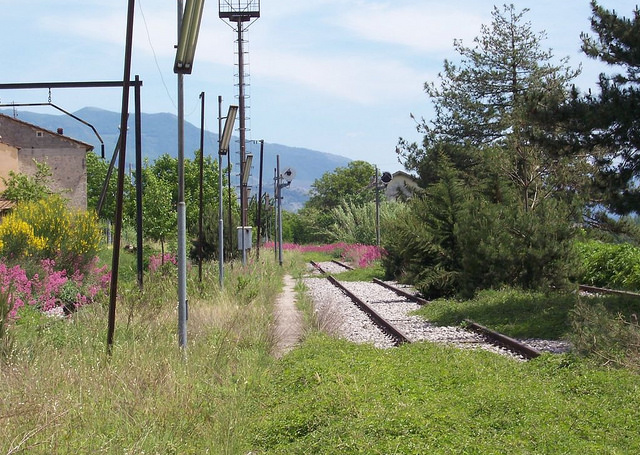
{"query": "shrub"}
(362, 255)
(48, 229)
(452, 242)
(610, 337)
(17, 238)
(163, 263)
(609, 265)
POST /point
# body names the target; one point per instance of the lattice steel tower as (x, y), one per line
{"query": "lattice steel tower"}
(241, 14)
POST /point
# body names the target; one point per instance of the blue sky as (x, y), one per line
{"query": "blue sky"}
(335, 76)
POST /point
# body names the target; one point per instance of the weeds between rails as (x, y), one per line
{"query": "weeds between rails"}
(398, 337)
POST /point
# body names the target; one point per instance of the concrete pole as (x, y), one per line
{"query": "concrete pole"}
(182, 210)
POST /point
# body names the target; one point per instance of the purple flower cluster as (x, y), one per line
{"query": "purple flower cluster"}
(329, 249)
(14, 280)
(44, 289)
(362, 255)
(157, 262)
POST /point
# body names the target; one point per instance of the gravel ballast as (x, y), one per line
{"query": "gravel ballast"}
(338, 315)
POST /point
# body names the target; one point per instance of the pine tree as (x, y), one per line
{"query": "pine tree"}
(485, 101)
(497, 206)
(609, 120)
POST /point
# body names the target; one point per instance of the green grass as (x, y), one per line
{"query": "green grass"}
(523, 314)
(512, 312)
(333, 397)
(227, 395)
(62, 394)
(362, 274)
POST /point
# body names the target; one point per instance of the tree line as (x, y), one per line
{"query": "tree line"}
(515, 164)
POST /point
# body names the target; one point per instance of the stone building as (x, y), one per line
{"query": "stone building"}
(21, 143)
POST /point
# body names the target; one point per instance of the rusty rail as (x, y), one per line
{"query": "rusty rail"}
(398, 337)
(508, 342)
(317, 266)
(342, 264)
(401, 292)
(586, 288)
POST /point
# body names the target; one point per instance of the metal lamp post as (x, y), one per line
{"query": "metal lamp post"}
(188, 27)
(224, 137)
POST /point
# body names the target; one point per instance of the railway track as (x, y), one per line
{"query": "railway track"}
(597, 290)
(388, 312)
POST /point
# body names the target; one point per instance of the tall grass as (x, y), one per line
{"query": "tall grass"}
(62, 394)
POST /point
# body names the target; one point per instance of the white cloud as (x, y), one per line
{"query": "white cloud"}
(352, 78)
(424, 28)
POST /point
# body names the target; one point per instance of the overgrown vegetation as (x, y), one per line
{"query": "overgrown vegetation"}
(227, 395)
(607, 331)
(520, 314)
(610, 265)
(504, 194)
(61, 394)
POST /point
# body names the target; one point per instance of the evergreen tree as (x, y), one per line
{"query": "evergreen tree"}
(497, 205)
(424, 247)
(485, 101)
(608, 122)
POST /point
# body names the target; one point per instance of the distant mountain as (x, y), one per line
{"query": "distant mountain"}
(160, 136)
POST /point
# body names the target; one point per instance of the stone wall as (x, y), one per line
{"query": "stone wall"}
(65, 157)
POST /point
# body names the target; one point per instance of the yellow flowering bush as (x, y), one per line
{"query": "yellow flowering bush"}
(17, 238)
(83, 236)
(48, 229)
(50, 219)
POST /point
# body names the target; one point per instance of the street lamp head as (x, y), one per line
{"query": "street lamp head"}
(189, 29)
(386, 177)
(246, 170)
(228, 130)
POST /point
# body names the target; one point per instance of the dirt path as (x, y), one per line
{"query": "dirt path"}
(287, 330)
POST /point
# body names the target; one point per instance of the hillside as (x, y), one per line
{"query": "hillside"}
(160, 136)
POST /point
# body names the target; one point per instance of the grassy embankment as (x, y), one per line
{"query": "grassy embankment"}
(60, 394)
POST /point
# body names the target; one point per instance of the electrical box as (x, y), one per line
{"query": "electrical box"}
(244, 232)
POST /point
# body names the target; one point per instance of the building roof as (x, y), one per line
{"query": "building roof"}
(404, 174)
(5, 205)
(4, 117)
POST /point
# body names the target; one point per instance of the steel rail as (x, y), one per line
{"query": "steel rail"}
(342, 264)
(317, 266)
(586, 288)
(400, 292)
(508, 342)
(398, 337)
